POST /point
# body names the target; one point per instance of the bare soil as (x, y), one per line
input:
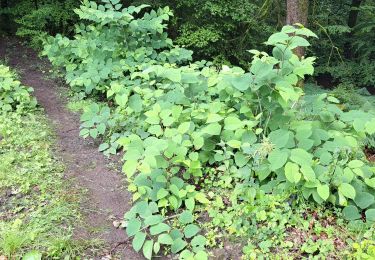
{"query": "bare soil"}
(105, 198)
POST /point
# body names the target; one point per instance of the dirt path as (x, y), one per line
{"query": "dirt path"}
(106, 198)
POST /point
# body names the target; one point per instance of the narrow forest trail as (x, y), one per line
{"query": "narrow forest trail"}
(106, 199)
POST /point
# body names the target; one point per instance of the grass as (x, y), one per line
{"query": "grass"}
(37, 206)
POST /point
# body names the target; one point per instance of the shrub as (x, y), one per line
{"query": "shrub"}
(13, 96)
(37, 19)
(179, 123)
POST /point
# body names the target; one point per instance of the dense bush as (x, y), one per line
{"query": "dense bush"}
(13, 96)
(222, 31)
(34, 20)
(346, 53)
(179, 123)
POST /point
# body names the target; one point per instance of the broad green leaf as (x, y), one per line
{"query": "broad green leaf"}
(159, 228)
(190, 204)
(187, 255)
(364, 200)
(153, 220)
(198, 142)
(348, 175)
(135, 103)
(292, 172)
(201, 255)
(347, 190)
(186, 217)
(306, 32)
(143, 208)
(279, 37)
(308, 173)
(162, 193)
(103, 147)
(370, 182)
(325, 158)
(134, 225)
(232, 123)
(198, 243)
(212, 129)
(240, 159)
(130, 168)
(242, 82)
(155, 130)
(351, 213)
(298, 41)
(326, 116)
(301, 157)
(234, 143)
(138, 240)
(201, 198)
(323, 191)
(355, 164)
(279, 138)
(191, 230)
(165, 239)
(178, 245)
(173, 201)
(94, 133)
(277, 159)
(147, 249)
(175, 234)
(370, 127)
(172, 74)
(156, 247)
(213, 118)
(184, 127)
(370, 215)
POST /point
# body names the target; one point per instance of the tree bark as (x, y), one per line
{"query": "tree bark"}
(352, 21)
(353, 14)
(297, 12)
(4, 18)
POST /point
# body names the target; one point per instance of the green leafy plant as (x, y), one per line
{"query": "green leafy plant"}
(34, 20)
(13, 96)
(178, 123)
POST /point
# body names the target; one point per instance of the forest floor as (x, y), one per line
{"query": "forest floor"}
(105, 200)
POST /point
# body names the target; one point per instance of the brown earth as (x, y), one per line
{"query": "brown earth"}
(105, 198)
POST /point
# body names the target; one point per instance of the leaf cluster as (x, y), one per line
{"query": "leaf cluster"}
(14, 96)
(176, 122)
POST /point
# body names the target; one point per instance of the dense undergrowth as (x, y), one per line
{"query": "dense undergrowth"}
(37, 209)
(210, 152)
(34, 20)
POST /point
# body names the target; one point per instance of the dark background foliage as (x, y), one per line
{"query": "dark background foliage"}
(223, 30)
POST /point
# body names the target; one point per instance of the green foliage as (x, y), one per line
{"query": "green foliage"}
(364, 250)
(364, 32)
(222, 30)
(179, 123)
(35, 210)
(13, 96)
(348, 95)
(37, 19)
(347, 54)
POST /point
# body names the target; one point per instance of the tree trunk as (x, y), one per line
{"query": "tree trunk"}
(4, 18)
(352, 21)
(297, 12)
(353, 14)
